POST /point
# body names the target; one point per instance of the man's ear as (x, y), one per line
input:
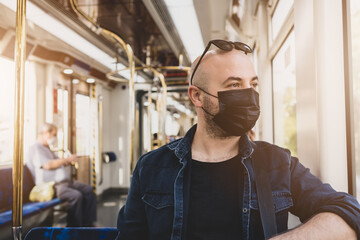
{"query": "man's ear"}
(194, 94)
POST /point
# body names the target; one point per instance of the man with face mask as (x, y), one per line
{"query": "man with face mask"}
(45, 166)
(216, 184)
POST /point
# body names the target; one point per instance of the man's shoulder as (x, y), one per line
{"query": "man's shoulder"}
(272, 151)
(266, 146)
(163, 156)
(36, 146)
(33, 149)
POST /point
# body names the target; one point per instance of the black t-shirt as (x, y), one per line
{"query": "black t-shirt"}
(215, 200)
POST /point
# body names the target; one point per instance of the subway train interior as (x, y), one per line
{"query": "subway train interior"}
(113, 77)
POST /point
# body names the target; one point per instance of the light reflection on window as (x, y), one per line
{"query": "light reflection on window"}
(284, 95)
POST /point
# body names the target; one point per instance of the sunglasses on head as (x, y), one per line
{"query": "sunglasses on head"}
(225, 46)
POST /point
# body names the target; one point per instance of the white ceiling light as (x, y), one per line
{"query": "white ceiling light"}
(54, 26)
(68, 71)
(184, 16)
(235, 9)
(90, 80)
(75, 81)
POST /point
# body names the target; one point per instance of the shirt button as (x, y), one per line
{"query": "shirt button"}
(245, 210)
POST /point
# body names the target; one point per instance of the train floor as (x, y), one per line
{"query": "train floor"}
(108, 206)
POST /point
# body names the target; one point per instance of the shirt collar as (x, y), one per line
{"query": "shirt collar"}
(183, 146)
(245, 147)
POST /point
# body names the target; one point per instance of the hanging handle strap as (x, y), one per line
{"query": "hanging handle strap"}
(263, 190)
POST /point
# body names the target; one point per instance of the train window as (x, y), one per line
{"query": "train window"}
(7, 109)
(7, 94)
(284, 95)
(172, 125)
(83, 125)
(280, 14)
(355, 39)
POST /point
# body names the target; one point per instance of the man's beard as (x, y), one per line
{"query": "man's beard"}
(212, 128)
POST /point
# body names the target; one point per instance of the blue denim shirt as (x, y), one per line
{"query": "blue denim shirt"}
(158, 199)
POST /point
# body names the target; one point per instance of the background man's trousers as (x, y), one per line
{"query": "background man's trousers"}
(81, 202)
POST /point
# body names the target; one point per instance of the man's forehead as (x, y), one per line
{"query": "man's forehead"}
(221, 65)
(234, 60)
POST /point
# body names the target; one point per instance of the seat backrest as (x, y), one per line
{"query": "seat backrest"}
(47, 233)
(6, 187)
(28, 184)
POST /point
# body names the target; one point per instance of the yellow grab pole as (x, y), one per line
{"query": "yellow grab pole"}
(162, 110)
(93, 165)
(130, 54)
(100, 131)
(17, 173)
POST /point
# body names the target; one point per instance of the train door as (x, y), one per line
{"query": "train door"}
(81, 129)
(72, 114)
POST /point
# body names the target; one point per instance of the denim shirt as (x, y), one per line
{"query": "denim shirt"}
(158, 198)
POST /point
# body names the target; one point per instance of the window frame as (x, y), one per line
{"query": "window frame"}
(274, 45)
(349, 103)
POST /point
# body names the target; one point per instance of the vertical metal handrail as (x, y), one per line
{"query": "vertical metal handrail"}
(150, 117)
(93, 162)
(17, 174)
(100, 131)
(162, 108)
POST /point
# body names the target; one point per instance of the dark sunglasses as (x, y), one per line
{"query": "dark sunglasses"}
(225, 46)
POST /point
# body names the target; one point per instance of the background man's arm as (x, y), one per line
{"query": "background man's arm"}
(56, 163)
(322, 226)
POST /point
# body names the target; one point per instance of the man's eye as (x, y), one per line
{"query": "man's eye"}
(235, 85)
(254, 85)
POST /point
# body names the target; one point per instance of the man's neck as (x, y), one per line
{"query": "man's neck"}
(208, 148)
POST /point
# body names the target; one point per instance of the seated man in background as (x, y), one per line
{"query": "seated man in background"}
(45, 166)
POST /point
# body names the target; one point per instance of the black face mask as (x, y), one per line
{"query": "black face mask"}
(239, 110)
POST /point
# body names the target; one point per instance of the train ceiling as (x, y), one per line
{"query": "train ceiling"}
(148, 27)
(130, 20)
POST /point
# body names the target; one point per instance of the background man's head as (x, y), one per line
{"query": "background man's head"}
(48, 133)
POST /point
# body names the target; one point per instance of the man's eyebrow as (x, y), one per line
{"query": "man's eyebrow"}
(255, 78)
(231, 78)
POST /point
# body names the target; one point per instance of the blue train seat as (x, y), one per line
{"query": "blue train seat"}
(44, 233)
(34, 213)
